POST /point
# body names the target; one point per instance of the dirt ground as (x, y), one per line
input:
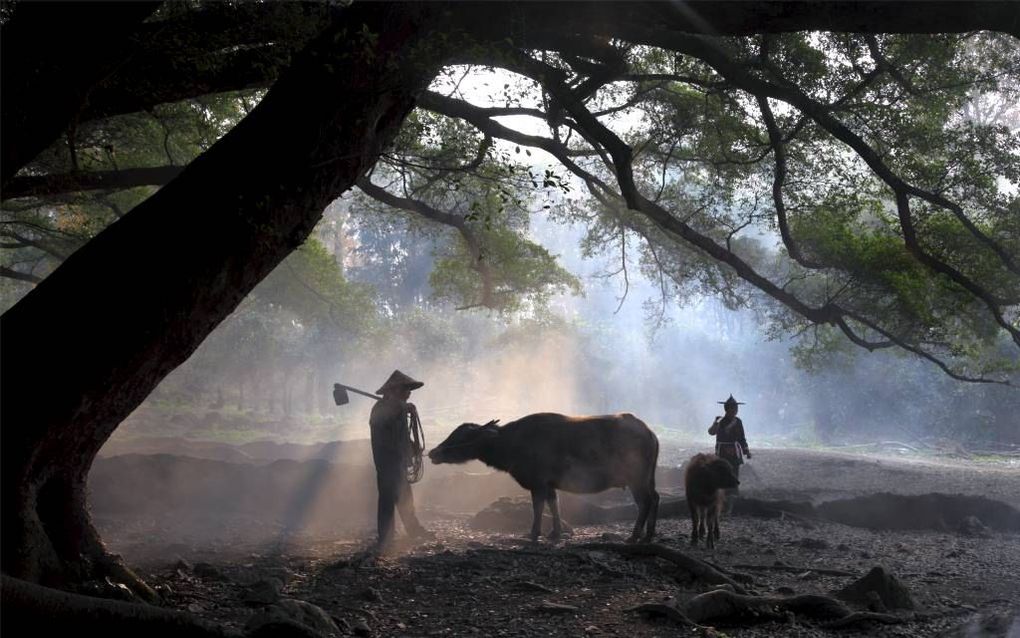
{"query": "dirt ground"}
(472, 581)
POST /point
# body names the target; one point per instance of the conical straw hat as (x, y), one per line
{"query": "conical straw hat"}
(731, 401)
(399, 379)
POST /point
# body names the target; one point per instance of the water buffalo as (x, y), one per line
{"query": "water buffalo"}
(706, 477)
(548, 452)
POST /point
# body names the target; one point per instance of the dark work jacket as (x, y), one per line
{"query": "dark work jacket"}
(390, 436)
(729, 438)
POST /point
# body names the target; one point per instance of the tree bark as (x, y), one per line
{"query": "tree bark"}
(89, 343)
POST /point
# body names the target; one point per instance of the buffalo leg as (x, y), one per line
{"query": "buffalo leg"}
(537, 506)
(642, 502)
(653, 516)
(645, 500)
(554, 509)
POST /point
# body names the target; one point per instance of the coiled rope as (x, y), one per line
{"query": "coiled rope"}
(415, 463)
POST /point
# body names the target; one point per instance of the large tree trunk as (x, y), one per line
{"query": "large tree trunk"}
(87, 345)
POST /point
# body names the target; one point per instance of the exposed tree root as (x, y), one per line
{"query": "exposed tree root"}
(114, 567)
(796, 570)
(725, 607)
(694, 566)
(49, 612)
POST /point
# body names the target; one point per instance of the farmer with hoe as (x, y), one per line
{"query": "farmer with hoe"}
(393, 452)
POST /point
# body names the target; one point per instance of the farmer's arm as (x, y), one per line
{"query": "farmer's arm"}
(741, 439)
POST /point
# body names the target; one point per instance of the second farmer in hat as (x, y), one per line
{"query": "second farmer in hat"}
(391, 447)
(728, 431)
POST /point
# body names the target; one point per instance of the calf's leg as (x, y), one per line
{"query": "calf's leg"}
(712, 524)
(694, 521)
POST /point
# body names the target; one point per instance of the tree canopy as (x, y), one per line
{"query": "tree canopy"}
(883, 165)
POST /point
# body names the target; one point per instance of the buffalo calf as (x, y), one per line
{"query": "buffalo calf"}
(706, 477)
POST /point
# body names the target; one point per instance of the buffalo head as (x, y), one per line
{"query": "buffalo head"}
(465, 443)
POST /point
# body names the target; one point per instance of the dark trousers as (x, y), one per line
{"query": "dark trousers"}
(394, 492)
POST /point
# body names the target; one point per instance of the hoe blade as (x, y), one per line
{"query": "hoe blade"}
(340, 394)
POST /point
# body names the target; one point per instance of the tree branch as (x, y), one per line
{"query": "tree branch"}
(474, 115)
(47, 247)
(883, 64)
(623, 268)
(54, 184)
(478, 261)
(20, 276)
(779, 153)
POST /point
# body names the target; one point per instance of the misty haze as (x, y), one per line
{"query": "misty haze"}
(775, 258)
